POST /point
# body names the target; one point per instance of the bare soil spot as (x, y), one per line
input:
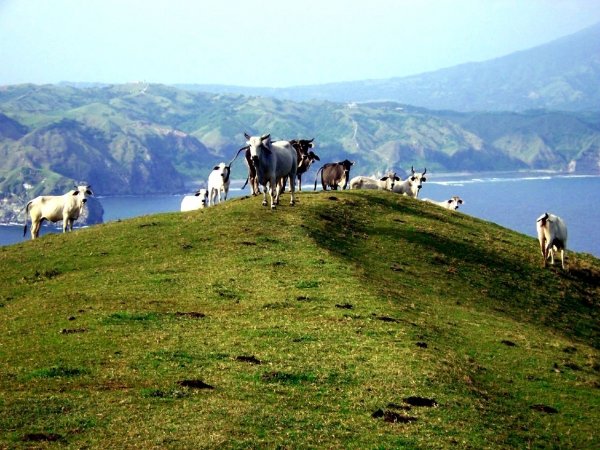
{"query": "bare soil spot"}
(344, 306)
(420, 401)
(248, 359)
(508, 343)
(72, 330)
(190, 314)
(195, 384)
(39, 437)
(544, 408)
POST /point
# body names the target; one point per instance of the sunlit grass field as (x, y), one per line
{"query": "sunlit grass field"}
(352, 320)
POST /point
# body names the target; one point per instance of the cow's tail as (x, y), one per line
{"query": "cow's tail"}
(26, 213)
(317, 177)
(247, 178)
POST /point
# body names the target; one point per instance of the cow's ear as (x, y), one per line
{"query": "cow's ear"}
(216, 168)
(423, 179)
(384, 178)
(396, 179)
(460, 202)
(449, 201)
(412, 178)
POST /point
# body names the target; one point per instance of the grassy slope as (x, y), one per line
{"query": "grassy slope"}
(350, 301)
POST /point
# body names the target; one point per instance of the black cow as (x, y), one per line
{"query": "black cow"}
(305, 157)
(334, 175)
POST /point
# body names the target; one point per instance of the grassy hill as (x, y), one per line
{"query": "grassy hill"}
(352, 320)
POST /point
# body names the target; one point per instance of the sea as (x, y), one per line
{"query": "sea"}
(511, 199)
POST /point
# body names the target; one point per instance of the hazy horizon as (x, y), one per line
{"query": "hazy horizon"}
(270, 43)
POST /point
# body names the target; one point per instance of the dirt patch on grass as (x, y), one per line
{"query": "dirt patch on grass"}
(195, 384)
(248, 359)
(190, 314)
(544, 408)
(41, 437)
(393, 416)
(420, 401)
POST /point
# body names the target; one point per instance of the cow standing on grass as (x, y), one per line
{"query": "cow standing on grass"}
(552, 234)
(273, 162)
(65, 207)
(334, 175)
(218, 183)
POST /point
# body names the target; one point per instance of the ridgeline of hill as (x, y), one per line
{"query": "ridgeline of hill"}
(559, 75)
(356, 319)
(144, 139)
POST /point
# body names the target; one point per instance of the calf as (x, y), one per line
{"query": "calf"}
(65, 207)
(334, 175)
(412, 184)
(197, 201)
(552, 234)
(218, 182)
(451, 203)
(385, 183)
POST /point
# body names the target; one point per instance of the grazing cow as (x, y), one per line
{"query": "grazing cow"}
(305, 157)
(65, 207)
(218, 182)
(451, 203)
(385, 183)
(334, 175)
(412, 184)
(273, 162)
(552, 234)
(197, 201)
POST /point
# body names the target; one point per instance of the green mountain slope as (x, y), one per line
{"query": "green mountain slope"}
(353, 320)
(144, 139)
(560, 75)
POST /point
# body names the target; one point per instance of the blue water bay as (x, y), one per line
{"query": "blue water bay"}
(512, 200)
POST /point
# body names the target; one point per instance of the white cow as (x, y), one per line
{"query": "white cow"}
(65, 207)
(197, 201)
(385, 183)
(412, 184)
(452, 203)
(552, 234)
(218, 182)
(273, 161)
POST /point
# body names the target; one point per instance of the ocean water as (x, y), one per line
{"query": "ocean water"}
(512, 200)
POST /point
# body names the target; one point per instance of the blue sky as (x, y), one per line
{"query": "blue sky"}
(270, 43)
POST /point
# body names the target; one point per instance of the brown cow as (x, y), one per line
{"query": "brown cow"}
(334, 175)
(305, 157)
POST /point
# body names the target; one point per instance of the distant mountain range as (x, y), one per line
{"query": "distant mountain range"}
(561, 75)
(146, 138)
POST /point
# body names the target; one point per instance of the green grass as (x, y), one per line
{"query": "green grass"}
(304, 322)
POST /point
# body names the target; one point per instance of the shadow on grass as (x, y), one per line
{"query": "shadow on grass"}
(495, 270)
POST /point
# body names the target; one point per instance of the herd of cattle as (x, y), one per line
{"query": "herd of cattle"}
(272, 165)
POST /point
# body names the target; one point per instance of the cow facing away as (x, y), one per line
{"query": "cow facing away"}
(334, 174)
(452, 203)
(54, 208)
(412, 185)
(218, 183)
(385, 183)
(197, 201)
(552, 235)
(273, 162)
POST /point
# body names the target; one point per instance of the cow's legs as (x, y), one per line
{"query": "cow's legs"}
(292, 189)
(264, 202)
(35, 229)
